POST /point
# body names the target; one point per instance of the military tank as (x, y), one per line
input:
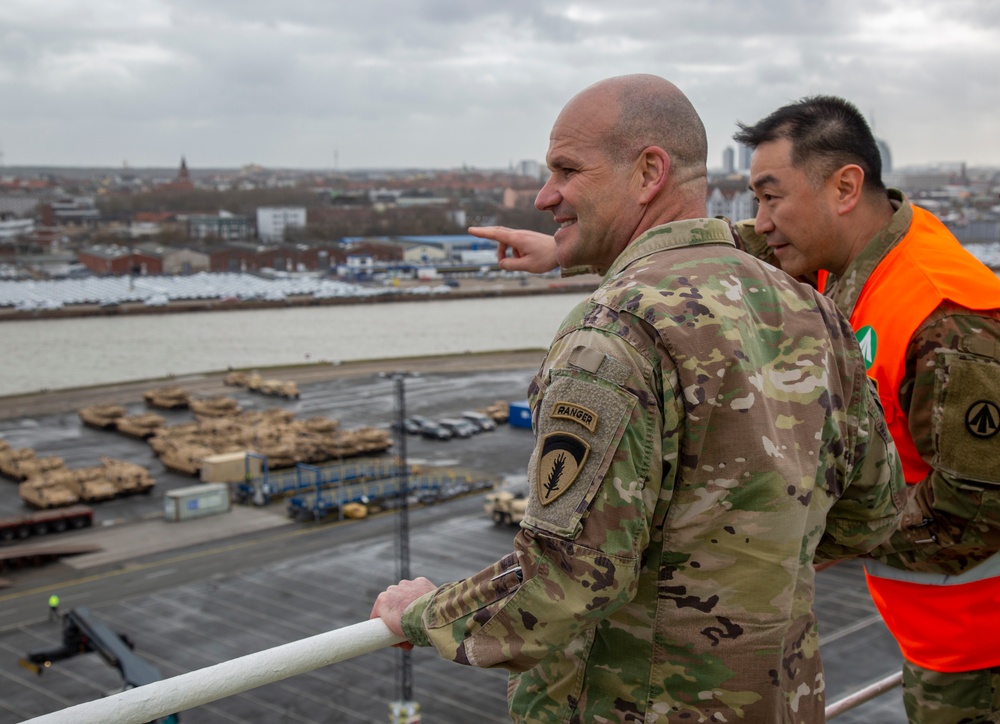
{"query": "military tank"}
(236, 379)
(185, 457)
(24, 468)
(89, 484)
(217, 406)
(10, 457)
(168, 398)
(499, 411)
(142, 426)
(102, 417)
(279, 388)
(128, 478)
(39, 495)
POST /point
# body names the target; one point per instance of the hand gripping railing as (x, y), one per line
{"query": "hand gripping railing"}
(161, 698)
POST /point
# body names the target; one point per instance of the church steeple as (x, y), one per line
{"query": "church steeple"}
(183, 175)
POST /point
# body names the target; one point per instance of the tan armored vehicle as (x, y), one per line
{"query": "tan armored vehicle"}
(39, 492)
(499, 411)
(236, 379)
(26, 467)
(184, 457)
(279, 454)
(279, 388)
(374, 439)
(168, 398)
(218, 406)
(127, 477)
(10, 457)
(506, 507)
(322, 425)
(142, 426)
(164, 436)
(4, 445)
(103, 417)
(88, 484)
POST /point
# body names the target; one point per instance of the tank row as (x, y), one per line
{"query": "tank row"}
(255, 383)
(46, 482)
(221, 427)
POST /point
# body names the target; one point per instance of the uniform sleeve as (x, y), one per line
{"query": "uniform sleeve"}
(594, 476)
(870, 507)
(951, 392)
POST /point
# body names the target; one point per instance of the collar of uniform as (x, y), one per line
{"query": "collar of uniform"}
(689, 232)
(845, 290)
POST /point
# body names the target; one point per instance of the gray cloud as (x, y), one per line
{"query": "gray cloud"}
(445, 82)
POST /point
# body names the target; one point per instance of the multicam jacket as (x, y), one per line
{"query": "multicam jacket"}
(704, 431)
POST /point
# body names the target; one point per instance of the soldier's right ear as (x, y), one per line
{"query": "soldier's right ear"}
(653, 170)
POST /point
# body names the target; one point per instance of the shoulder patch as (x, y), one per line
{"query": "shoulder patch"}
(967, 417)
(576, 413)
(982, 419)
(563, 456)
(570, 459)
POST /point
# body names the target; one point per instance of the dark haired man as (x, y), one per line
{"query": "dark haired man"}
(727, 437)
(926, 314)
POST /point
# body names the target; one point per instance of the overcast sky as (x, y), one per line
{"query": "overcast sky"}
(442, 83)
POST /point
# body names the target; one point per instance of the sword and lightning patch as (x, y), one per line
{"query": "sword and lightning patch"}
(563, 456)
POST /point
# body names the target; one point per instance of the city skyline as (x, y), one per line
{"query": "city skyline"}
(450, 83)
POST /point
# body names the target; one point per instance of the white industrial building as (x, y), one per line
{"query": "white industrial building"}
(273, 220)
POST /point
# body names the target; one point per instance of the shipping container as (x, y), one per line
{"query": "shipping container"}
(229, 467)
(196, 501)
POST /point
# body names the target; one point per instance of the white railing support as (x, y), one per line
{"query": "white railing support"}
(161, 698)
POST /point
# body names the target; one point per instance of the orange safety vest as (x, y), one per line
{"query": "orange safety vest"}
(942, 623)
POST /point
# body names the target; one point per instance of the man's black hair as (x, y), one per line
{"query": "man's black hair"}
(826, 132)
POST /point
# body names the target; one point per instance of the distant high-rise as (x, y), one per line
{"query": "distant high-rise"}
(728, 160)
(744, 158)
(883, 151)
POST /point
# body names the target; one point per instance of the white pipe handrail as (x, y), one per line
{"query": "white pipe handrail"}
(862, 695)
(169, 696)
(186, 691)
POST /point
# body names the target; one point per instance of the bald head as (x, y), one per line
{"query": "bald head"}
(651, 111)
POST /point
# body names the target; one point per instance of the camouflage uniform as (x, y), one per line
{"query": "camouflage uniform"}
(952, 518)
(704, 430)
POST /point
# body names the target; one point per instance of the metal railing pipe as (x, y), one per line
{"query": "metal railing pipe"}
(860, 696)
(162, 698)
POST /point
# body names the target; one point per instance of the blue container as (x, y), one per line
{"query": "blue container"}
(520, 415)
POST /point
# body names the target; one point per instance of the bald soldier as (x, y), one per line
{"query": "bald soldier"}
(704, 432)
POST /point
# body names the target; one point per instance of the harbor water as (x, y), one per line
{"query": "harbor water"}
(51, 354)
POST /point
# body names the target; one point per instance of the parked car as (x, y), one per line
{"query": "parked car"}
(482, 421)
(433, 431)
(414, 425)
(459, 427)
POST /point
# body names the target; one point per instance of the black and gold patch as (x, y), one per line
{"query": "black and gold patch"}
(562, 457)
(967, 417)
(576, 413)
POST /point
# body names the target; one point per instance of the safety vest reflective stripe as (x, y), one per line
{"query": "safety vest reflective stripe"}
(951, 627)
(989, 568)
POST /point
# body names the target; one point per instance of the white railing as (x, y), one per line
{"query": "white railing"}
(860, 696)
(169, 696)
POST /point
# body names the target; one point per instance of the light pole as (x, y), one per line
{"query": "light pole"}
(404, 711)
